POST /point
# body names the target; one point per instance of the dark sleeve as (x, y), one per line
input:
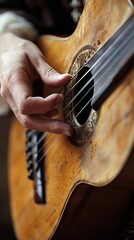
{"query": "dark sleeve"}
(48, 16)
(22, 8)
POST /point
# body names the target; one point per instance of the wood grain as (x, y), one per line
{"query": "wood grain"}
(66, 165)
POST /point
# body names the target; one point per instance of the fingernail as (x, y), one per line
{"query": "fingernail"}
(66, 74)
(67, 132)
(59, 98)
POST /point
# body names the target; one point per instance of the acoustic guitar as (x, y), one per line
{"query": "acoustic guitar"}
(99, 105)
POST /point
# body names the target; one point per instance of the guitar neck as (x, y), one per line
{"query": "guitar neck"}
(111, 62)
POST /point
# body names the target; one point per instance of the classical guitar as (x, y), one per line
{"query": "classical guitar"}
(98, 104)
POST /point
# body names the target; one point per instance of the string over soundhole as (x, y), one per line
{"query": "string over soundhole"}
(82, 95)
(77, 100)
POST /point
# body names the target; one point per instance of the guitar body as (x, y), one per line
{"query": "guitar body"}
(73, 172)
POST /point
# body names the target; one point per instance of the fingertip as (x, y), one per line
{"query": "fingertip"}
(58, 79)
(63, 79)
(66, 75)
(56, 97)
(59, 98)
(67, 131)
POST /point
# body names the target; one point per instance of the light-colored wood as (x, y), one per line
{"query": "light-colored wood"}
(66, 165)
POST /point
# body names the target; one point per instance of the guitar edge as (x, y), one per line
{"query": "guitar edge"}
(98, 163)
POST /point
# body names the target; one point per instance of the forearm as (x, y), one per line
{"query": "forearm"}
(12, 22)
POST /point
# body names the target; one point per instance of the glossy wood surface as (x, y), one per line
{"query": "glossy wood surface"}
(67, 166)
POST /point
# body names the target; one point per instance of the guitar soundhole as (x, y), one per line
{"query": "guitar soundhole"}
(83, 92)
(77, 99)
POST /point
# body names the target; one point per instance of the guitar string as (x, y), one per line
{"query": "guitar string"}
(86, 93)
(88, 102)
(39, 141)
(30, 132)
(54, 142)
(113, 44)
(98, 60)
(106, 63)
(92, 78)
(47, 153)
(84, 106)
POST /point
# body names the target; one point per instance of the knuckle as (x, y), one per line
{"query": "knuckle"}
(4, 85)
(48, 71)
(24, 45)
(4, 92)
(25, 122)
(53, 128)
(38, 59)
(8, 79)
(23, 107)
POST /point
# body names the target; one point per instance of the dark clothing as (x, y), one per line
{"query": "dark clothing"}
(48, 16)
(55, 17)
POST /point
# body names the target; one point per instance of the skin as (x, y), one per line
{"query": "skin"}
(21, 62)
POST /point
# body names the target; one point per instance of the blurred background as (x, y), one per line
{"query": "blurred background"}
(6, 229)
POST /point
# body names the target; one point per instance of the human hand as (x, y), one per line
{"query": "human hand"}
(20, 62)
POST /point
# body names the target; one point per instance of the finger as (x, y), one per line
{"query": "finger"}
(22, 95)
(48, 75)
(39, 105)
(52, 113)
(6, 94)
(41, 123)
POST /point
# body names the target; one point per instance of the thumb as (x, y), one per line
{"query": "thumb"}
(48, 74)
(53, 78)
